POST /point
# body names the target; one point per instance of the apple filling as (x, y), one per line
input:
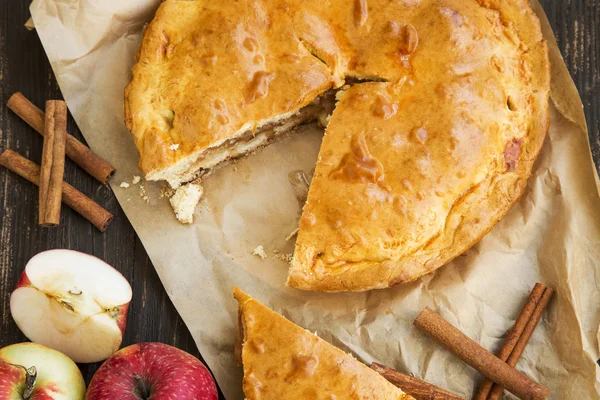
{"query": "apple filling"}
(252, 139)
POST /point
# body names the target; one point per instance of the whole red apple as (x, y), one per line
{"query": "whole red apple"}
(152, 371)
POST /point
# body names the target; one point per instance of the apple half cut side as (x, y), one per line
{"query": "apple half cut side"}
(72, 302)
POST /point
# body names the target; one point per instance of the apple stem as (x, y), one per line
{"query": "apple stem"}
(142, 389)
(30, 378)
(30, 382)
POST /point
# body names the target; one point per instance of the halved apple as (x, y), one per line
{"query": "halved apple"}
(72, 302)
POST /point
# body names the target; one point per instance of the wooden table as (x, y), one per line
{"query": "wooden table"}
(24, 67)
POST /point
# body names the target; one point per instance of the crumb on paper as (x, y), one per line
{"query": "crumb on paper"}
(167, 191)
(184, 202)
(124, 185)
(143, 195)
(275, 251)
(174, 146)
(287, 258)
(388, 311)
(260, 251)
(136, 179)
(291, 235)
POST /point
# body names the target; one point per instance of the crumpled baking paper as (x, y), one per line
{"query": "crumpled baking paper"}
(551, 235)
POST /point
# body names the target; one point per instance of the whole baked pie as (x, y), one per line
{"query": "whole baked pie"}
(440, 108)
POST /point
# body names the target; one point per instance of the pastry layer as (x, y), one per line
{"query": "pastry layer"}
(244, 143)
(284, 361)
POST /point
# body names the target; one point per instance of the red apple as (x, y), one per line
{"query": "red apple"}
(72, 302)
(152, 371)
(30, 371)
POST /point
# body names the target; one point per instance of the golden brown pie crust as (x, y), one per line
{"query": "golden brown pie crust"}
(283, 361)
(202, 78)
(414, 171)
(414, 168)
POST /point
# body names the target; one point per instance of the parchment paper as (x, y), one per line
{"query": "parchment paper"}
(551, 235)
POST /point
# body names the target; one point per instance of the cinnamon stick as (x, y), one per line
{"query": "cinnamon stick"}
(53, 163)
(513, 336)
(479, 358)
(417, 388)
(79, 202)
(514, 357)
(75, 150)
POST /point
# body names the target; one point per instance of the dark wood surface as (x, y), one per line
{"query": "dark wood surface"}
(152, 317)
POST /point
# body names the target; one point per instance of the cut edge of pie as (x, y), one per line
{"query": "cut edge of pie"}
(201, 163)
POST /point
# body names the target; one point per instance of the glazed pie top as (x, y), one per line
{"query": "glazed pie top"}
(418, 162)
(283, 361)
(207, 72)
(413, 171)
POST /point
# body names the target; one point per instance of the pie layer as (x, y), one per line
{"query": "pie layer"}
(424, 153)
(283, 361)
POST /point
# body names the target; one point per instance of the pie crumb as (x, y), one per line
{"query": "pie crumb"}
(184, 202)
(259, 251)
(143, 193)
(284, 257)
(174, 146)
(167, 191)
(124, 185)
(136, 179)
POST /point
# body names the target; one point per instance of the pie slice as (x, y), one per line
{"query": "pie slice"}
(283, 361)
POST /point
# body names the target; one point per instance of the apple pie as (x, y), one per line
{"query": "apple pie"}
(283, 361)
(440, 108)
